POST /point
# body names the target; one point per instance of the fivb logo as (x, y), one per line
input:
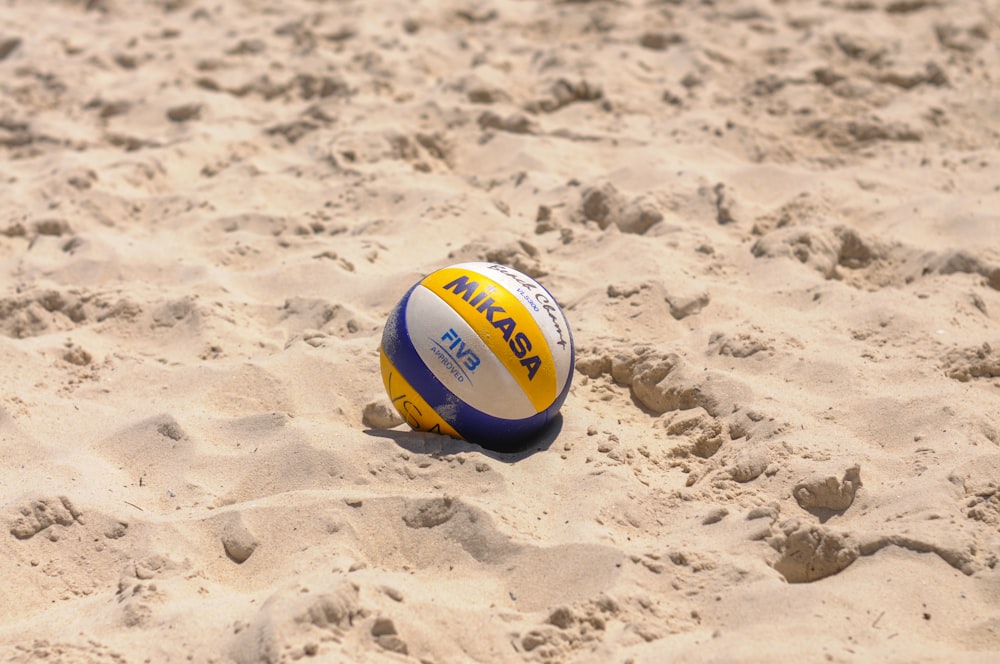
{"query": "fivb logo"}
(454, 356)
(465, 356)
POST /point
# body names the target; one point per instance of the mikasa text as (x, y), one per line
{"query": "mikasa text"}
(518, 342)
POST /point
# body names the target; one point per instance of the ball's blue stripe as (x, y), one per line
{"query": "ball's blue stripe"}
(472, 424)
(398, 347)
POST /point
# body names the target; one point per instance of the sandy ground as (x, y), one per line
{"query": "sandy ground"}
(774, 227)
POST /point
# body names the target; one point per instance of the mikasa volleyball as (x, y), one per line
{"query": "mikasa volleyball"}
(478, 351)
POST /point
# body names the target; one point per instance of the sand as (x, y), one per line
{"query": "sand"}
(773, 226)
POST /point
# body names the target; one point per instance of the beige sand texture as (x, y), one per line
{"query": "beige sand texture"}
(773, 224)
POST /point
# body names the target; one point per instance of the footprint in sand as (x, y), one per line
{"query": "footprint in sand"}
(143, 586)
(297, 622)
(810, 552)
(966, 364)
(604, 205)
(43, 311)
(828, 250)
(43, 513)
(444, 531)
(664, 382)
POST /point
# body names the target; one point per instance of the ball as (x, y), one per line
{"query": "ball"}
(480, 352)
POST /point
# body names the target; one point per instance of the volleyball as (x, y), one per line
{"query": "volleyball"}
(480, 352)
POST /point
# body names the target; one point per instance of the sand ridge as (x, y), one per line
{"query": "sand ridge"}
(772, 225)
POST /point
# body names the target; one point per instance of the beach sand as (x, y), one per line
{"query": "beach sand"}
(774, 227)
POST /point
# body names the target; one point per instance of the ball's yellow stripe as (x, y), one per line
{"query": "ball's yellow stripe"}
(417, 412)
(505, 325)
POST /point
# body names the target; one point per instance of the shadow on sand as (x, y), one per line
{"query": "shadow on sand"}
(419, 442)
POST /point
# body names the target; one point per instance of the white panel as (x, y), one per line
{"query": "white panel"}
(460, 359)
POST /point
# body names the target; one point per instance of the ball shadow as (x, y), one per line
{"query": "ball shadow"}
(420, 442)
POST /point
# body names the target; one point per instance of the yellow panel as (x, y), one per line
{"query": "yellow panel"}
(411, 406)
